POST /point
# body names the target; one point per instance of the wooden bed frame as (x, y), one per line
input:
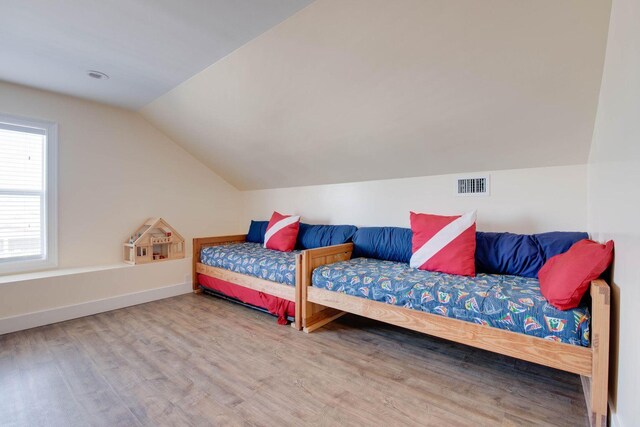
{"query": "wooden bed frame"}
(320, 306)
(276, 289)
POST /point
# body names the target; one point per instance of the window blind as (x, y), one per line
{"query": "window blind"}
(22, 193)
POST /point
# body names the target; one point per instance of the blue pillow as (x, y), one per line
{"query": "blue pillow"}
(387, 243)
(309, 236)
(496, 253)
(520, 254)
(558, 242)
(315, 236)
(257, 230)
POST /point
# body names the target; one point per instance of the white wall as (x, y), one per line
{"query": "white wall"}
(115, 170)
(614, 200)
(521, 201)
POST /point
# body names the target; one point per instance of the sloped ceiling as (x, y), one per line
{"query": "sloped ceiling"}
(353, 90)
(147, 47)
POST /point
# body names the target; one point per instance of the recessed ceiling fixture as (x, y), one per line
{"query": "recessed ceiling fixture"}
(97, 75)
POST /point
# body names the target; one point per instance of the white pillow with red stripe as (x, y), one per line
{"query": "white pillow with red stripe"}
(282, 232)
(444, 243)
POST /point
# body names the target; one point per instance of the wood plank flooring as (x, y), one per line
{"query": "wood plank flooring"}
(197, 360)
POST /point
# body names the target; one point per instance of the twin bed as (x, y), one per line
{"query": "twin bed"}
(511, 303)
(240, 268)
(246, 272)
(501, 313)
(276, 271)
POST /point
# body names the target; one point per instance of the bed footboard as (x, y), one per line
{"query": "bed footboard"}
(596, 387)
(313, 315)
(203, 242)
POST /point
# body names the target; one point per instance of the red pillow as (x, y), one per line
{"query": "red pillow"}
(566, 277)
(444, 243)
(282, 232)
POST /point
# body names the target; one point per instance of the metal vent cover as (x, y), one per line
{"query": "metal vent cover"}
(473, 186)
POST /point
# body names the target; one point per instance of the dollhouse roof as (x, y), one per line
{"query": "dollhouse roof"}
(155, 223)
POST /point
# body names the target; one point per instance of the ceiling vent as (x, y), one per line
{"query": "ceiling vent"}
(473, 186)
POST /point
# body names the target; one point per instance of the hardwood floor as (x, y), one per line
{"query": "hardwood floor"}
(197, 360)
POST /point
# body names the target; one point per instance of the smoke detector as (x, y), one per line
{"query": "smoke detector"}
(98, 75)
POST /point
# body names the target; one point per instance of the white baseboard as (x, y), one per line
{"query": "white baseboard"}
(60, 314)
(614, 421)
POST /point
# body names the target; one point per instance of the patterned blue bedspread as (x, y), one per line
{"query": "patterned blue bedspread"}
(254, 260)
(506, 302)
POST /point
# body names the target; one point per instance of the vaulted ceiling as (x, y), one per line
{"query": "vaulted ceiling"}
(147, 47)
(279, 93)
(351, 90)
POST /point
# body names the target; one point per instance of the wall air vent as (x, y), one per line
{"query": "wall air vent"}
(473, 186)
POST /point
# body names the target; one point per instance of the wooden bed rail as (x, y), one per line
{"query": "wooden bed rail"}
(315, 316)
(203, 242)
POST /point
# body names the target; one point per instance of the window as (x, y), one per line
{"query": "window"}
(27, 194)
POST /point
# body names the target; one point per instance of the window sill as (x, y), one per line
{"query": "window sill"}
(20, 277)
(27, 266)
(34, 275)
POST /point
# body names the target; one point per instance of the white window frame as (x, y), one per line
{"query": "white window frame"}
(49, 259)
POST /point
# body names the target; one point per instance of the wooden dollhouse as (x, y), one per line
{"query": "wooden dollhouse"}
(153, 241)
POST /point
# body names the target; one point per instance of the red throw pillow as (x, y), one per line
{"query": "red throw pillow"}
(282, 232)
(444, 243)
(566, 277)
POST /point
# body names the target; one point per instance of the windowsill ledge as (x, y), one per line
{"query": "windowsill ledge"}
(21, 277)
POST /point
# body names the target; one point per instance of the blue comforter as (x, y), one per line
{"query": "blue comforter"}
(254, 260)
(506, 302)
